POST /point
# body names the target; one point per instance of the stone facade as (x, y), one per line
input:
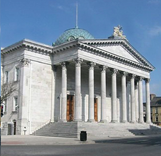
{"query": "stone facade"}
(81, 80)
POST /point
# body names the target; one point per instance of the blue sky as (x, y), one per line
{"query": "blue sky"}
(45, 20)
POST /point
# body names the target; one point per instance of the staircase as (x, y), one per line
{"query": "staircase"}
(73, 129)
(58, 129)
(118, 129)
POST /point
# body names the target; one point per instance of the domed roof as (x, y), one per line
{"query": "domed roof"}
(72, 34)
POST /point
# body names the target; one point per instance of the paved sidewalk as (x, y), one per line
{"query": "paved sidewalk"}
(44, 140)
(40, 140)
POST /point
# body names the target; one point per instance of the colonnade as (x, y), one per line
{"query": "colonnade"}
(114, 119)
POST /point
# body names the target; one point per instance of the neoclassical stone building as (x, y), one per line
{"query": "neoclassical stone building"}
(78, 78)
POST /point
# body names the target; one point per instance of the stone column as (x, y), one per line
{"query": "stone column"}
(64, 92)
(136, 100)
(103, 94)
(78, 96)
(148, 118)
(124, 99)
(114, 96)
(133, 119)
(54, 70)
(91, 92)
(140, 97)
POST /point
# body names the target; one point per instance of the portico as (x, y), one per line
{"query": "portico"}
(104, 71)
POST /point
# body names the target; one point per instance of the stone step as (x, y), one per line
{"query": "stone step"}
(73, 129)
(58, 130)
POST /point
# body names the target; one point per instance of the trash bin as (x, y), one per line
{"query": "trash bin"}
(83, 136)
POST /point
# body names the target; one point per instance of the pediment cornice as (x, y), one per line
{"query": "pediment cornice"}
(125, 44)
(114, 57)
(28, 45)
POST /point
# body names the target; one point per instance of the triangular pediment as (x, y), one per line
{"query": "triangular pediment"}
(119, 51)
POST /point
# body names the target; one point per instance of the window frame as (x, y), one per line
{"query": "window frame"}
(6, 77)
(5, 106)
(16, 76)
(15, 104)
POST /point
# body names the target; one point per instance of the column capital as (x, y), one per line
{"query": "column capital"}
(91, 64)
(132, 75)
(147, 80)
(114, 71)
(103, 68)
(140, 78)
(123, 73)
(78, 60)
(64, 64)
(24, 62)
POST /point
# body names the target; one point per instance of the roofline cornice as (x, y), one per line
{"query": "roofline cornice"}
(65, 46)
(27, 44)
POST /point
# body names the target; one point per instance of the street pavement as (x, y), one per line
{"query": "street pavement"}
(47, 146)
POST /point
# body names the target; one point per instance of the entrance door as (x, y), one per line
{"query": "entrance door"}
(9, 129)
(70, 108)
(14, 128)
(95, 110)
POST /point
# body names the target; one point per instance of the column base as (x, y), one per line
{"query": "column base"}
(124, 121)
(103, 121)
(141, 122)
(63, 120)
(77, 120)
(132, 122)
(114, 121)
(91, 120)
(148, 122)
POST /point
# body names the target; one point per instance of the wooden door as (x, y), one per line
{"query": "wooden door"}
(70, 108)
(95, 110)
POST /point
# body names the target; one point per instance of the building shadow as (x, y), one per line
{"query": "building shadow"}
(153, 130)
(144, 141)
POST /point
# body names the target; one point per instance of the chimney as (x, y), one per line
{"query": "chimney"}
(152, 96)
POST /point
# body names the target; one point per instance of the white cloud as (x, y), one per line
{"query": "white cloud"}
(154, 1)
(155, 31)
(60, 7)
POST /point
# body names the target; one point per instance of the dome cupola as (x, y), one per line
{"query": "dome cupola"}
(72, 34)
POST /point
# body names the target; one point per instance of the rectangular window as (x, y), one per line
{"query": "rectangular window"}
(16, 74)
(15, 103)
(6, 77)
(151, 110)
(156, 118)
(5, 106)
(156, 110)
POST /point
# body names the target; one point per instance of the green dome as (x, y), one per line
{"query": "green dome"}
(72, 34)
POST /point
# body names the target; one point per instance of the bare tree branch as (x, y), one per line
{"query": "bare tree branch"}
(6, 91)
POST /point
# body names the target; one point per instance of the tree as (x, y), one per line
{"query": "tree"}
(6, 90)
